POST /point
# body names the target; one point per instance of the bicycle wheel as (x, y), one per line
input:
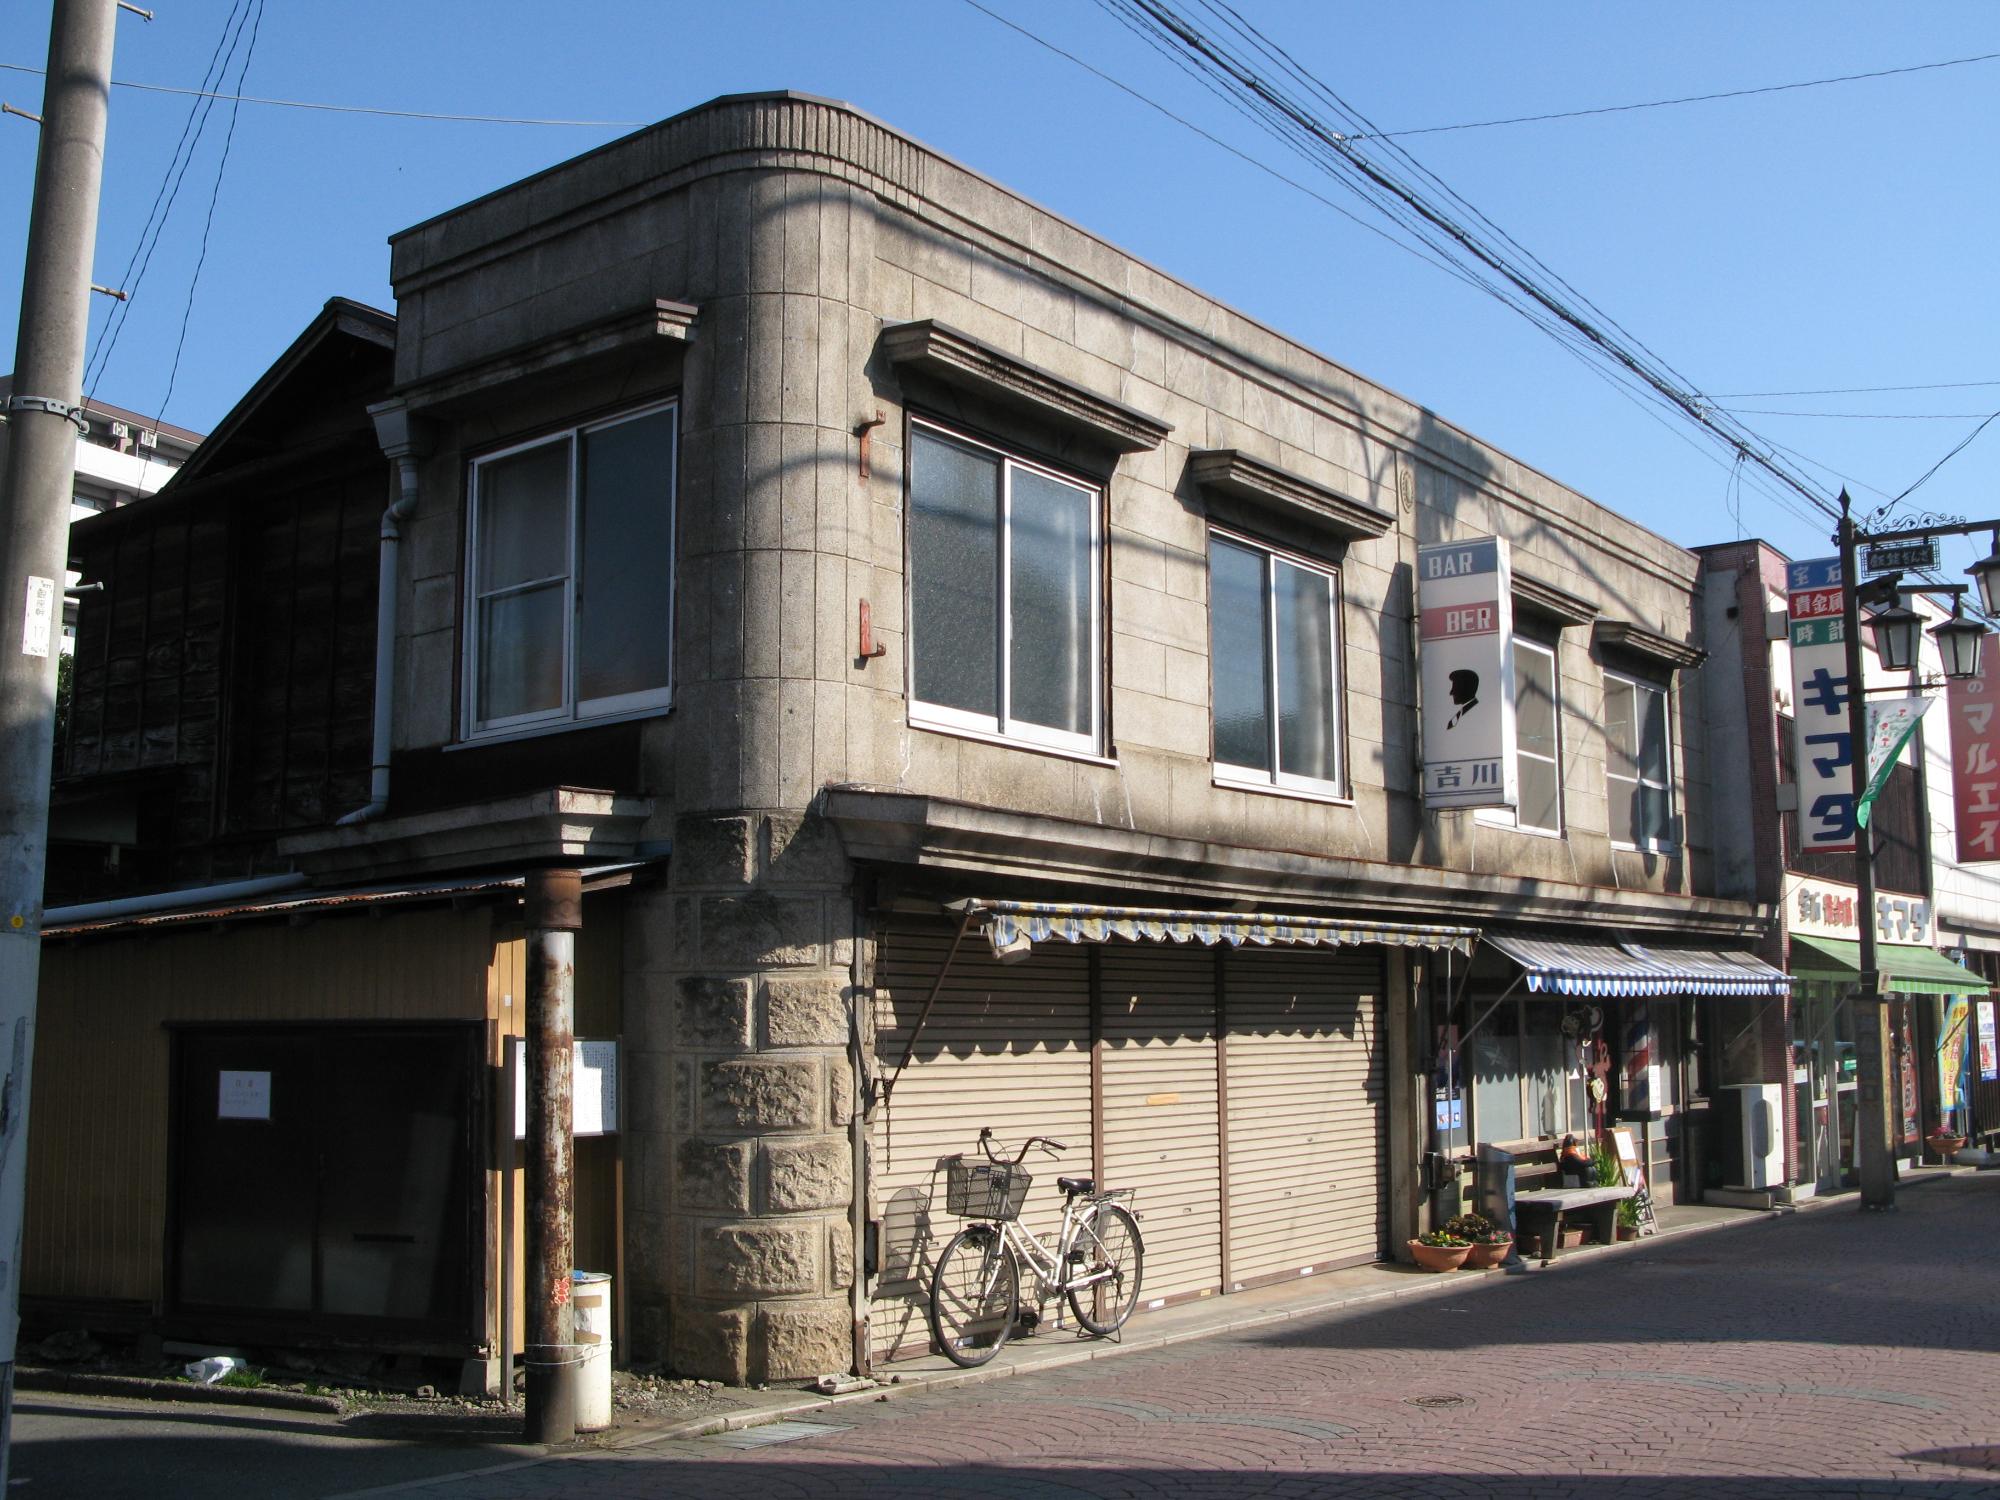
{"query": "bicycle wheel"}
(973, 1295)
(1107, 1239)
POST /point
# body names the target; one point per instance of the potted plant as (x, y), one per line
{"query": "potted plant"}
(1946, 1143)
(1490, 1243)
(1628, 1220)
(1440, 1250)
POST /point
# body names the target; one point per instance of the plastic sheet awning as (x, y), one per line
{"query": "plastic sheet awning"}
(1557, 967)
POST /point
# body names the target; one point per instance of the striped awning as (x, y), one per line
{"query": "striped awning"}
(1012, 925)
(1600, 969)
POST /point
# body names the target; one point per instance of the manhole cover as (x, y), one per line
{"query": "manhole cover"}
(1437, 1403)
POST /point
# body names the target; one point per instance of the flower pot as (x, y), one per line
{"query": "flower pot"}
(1439, 1257)
(1572, 1236)
(1486, 1257)
(1947, 1146)
(1628, 1231)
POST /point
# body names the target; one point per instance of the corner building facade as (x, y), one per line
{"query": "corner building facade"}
(1012, 652)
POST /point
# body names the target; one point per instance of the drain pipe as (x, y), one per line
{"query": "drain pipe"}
(405, 440)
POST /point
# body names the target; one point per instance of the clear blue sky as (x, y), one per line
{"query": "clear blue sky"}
(1842, 236)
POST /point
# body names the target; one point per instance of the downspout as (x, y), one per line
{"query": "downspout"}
(405, 441)
(860, 979)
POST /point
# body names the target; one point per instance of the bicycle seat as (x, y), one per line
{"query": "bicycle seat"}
(1075, 1185)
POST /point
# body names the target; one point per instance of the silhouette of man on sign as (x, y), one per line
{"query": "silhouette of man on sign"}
(1464, 692)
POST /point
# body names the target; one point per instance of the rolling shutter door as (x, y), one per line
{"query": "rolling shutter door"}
(1306, 1111)
(1161, 1125)
(1007, 1045)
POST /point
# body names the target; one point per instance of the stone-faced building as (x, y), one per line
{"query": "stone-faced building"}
(867, 555)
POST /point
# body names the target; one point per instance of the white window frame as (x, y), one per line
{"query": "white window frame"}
(1510, 817)
(1251, 778)
(1000, 725)
(569, 711)
(1666, 843)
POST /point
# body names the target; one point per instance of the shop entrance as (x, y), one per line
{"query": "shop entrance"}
(1827, 1089)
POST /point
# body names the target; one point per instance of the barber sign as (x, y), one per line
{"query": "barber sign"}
(1466, 634)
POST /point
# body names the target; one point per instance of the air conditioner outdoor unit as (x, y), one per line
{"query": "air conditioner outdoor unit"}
(119, 430)
(149, 438)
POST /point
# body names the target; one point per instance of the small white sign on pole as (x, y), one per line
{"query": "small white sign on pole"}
(593, 1088)
(1466, 634)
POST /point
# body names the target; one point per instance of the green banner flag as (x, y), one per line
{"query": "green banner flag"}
(1890, 725)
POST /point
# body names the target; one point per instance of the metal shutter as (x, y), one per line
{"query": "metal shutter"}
(1161, 1123)
(1007, 1045)
(1306, 1111)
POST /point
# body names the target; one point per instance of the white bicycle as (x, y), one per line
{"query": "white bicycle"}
(976, 1289)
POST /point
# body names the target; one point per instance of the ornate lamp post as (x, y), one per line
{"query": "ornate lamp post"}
(1896, 640)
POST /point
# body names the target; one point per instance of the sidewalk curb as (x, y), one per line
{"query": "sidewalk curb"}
(87, 1383)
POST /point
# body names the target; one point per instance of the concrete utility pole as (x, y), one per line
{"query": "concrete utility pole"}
(554, 911)
(1871, 1021)
(44, 416)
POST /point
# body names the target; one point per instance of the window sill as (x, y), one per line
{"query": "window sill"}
(1272, 789)
(1671, 851)
(959, 732)
(1557, 834)
(559, 726)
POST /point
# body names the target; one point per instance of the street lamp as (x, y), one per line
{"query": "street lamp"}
(1896, 632)
(1958, 642)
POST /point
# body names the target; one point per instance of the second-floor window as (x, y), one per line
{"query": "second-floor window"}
(1004, 614)
(569, 598)
(1638, 764)
(1274, 667)
(1537, 742)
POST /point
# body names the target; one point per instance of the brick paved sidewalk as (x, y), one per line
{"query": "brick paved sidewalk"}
(1833, 1353)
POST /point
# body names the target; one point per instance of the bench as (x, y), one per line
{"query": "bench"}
(1555, 1204)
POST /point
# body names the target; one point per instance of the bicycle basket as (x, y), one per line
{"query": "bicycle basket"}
(983, 1190)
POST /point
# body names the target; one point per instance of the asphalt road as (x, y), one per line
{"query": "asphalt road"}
(1830, 1353)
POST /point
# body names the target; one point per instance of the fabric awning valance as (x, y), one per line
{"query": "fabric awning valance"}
(1906, 971)
(1601, 969)
(1012, 926)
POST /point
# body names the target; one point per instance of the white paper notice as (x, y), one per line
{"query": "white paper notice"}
(593, 1088)
(243, 1096)
(39, 627)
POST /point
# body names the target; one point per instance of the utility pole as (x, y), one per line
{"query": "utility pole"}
(44, 415)
(1871, 1021)
(553, 902)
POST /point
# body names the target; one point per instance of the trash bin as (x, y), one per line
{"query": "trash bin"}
(590, 1300)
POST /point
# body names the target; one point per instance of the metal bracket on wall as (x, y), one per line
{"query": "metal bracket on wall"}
(863, 430)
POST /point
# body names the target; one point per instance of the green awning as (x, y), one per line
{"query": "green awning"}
(1906, 971)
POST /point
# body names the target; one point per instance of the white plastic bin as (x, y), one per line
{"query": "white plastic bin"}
(590, 1299)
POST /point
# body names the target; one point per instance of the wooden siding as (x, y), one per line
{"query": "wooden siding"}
(97, 1149)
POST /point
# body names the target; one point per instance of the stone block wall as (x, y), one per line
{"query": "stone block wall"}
(740, 1163)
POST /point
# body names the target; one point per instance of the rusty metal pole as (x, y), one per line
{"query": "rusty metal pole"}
(554, 912)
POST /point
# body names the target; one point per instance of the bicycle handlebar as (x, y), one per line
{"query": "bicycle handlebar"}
(1048, 1144)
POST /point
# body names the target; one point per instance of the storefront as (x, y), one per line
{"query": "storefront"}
(1558, 1036)
(1916, 980)
(1232, 1069)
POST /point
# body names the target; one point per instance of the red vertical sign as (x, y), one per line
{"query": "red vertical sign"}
(1975, 757)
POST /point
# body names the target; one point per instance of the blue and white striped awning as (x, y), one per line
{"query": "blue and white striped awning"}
(1011, 924)
(1599, 969)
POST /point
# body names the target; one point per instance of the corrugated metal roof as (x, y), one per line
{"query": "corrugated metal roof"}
(294, 902)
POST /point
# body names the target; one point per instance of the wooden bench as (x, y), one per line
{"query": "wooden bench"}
(1555, 1204)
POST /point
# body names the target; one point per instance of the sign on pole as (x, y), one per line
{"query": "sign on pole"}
(1823, 748)
(1466, 627)
(1910, 556)
(1975, 758)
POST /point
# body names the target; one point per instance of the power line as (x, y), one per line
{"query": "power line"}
(353, 109)
(1957, 449)
(1614, 109)
(215, 194)
(1861, 416)
(1560, 310)
(1859, 390)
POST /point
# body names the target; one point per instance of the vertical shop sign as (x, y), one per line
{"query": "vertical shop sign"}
(1466, 627)
(1989, 1063)
(1951, 1055)
(1823, 748)
(1975, 758)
